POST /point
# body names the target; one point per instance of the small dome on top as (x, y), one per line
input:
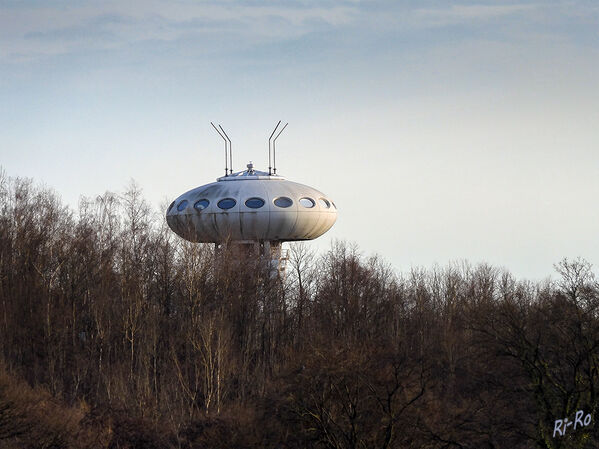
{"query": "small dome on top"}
(250, 173)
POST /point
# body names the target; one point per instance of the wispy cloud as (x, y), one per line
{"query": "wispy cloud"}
(462, 13)
(29, 32)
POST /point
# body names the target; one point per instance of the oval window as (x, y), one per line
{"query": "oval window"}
(307, 202)
(324, 203)
(170, 207)
(254, 203)
(182, 205)
(283, 201)
(227, 203)
(201, 204)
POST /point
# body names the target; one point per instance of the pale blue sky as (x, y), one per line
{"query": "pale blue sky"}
(442, 130)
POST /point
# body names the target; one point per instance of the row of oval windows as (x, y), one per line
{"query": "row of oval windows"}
(254, 203)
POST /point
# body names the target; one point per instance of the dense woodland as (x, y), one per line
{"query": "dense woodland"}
(115, 333)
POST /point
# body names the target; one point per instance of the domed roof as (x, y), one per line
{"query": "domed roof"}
(251, 205)
(250, 173)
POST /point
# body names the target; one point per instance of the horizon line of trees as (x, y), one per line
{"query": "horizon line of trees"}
(116, 333)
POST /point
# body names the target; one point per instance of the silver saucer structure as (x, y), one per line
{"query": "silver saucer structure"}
(256, 211)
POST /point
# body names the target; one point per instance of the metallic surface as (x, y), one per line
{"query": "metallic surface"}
(242, 223)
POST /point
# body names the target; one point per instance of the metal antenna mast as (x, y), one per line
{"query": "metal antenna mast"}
(274, 152)
(226, 141)
(269, 146)
(230, 149)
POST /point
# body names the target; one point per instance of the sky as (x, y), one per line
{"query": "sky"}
(442, 130)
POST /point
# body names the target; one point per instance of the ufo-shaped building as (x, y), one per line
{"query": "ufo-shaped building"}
(252, 208)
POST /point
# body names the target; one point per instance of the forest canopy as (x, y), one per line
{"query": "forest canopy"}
(116, 333)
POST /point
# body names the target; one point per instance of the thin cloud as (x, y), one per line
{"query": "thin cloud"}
(36, 31)
(464, 13)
